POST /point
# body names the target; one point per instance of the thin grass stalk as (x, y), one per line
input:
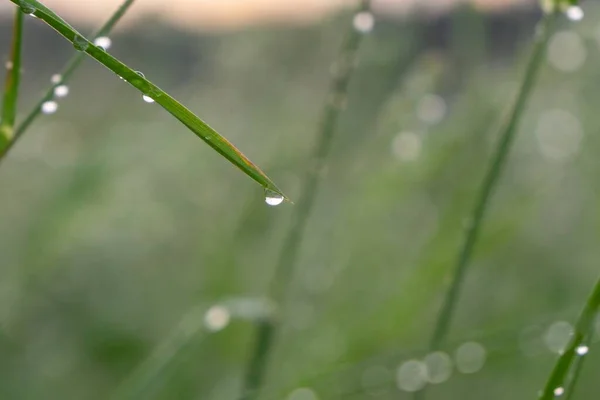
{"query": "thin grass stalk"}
(64, 75)
(490, 181)
(288, 256)
(11, 89)
(566, 362)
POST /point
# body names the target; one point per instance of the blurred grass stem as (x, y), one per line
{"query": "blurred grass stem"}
(11, 89)
(288, 255)
(490, 180)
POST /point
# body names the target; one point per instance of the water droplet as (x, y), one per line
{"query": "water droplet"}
(56, 78)
(574, 13)
(103, 42)
(559, 391)
(140, 74)
(470, 357)
(8, 65)
(411, 376)
(363, 22)
(61, 91)
(26, 7)
(272, 198)
(49, 107)
(582, 350)
(148, 99)
(80, 43)
(216, 318)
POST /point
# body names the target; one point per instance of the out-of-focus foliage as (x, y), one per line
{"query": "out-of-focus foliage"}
(108, 233)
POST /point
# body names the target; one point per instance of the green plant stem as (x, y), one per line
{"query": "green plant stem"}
(150, 90)
(288, 256)
(490, 180)
(11, 90)
(565, 362)
(65, 75)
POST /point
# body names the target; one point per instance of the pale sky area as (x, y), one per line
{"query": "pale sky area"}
(235, 14)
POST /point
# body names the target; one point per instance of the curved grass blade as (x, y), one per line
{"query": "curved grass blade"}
(149, 89)
(490, 180)
(11, 90)
(568, 359)
(64, 76)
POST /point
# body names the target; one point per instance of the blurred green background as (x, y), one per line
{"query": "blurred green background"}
(117, 223)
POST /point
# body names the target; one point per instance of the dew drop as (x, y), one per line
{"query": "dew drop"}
(140, 74)
(8, 65)
(56, 78)
(80, 43)
(61, 91)
(49, 107)
(216, 318)
(582, 350)
(27, 8)
(103, 42)
(363, 22)
(272, 198)
(574, 13)
(148, 99)
(559, 391)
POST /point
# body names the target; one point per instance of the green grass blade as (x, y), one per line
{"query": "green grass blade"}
(11, 90)
(185, 116)
(569, 358)
(490, 180)
(65, 75)
(288, 256)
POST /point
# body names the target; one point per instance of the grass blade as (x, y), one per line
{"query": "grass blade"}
(69, 69)
(490, 180)
(149, 89)
(267, 330)
(570, 357)
(11, 90)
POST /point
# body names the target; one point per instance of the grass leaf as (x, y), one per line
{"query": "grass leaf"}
(149, 89)
(11, 93)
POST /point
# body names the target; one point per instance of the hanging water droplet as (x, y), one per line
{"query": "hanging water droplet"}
(56, 78)
(80, 43)
(559, 391)
(61, 91)
(216, 318)
(148, 99)
(49, 107)
(140, 74)
(574, 13)
(272, 198)
(582, 350)
(103, 42)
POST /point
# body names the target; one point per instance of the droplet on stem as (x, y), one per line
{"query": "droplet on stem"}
(272, 198)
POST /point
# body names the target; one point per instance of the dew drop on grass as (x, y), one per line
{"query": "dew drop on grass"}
(27, 8)
(272, 198)
(80, 43)
(56, 78)
(140, 74)
(582, 350)
(216, 318)
(559, 391)
(103, 42)
(363, 22)
(61, 91)
(148, 99)
(49, 107)
(574, 13)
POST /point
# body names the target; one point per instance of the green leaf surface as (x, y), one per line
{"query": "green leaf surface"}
(11, 91)
(149, 89)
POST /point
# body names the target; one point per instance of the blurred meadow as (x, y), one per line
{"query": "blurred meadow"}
(119, 228)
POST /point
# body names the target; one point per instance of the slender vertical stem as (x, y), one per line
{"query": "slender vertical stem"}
(490, 180)
(11, 90)
(64, 75)
(288, 257)
(565, 362)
